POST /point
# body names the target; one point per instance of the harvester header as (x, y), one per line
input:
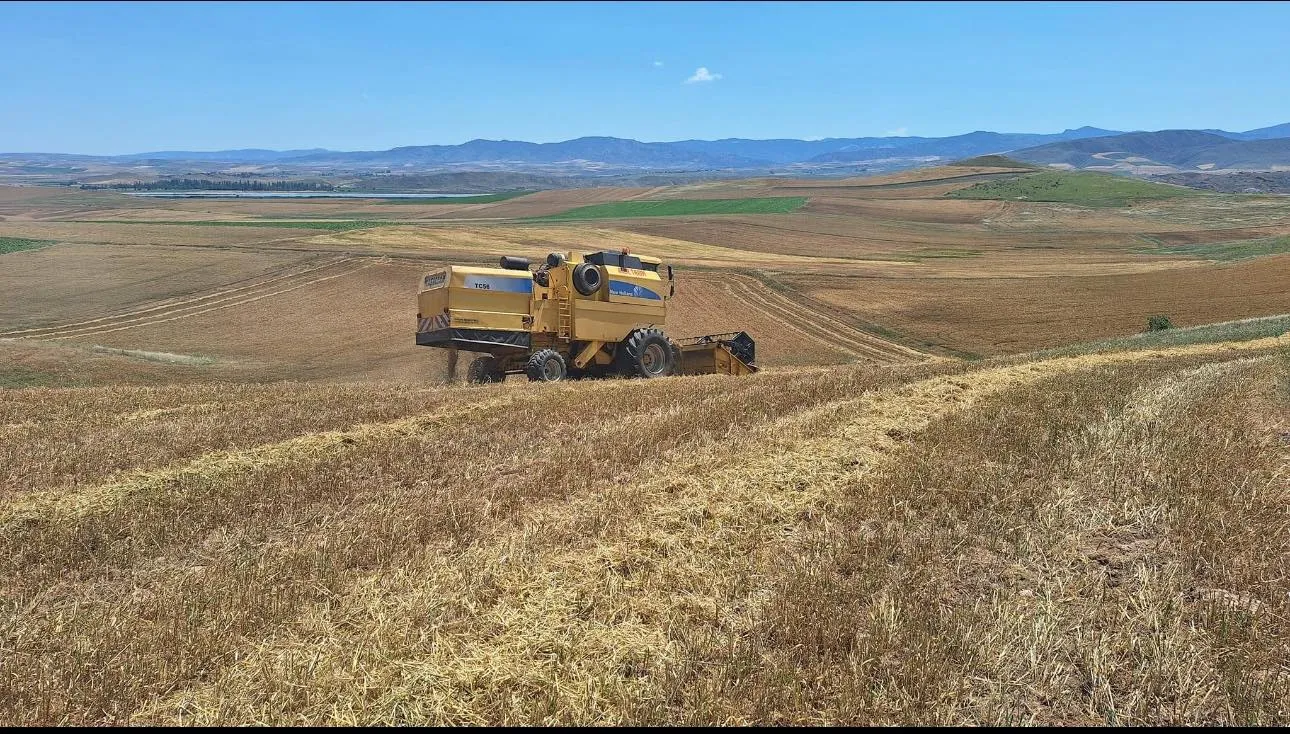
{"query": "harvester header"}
(574, 316)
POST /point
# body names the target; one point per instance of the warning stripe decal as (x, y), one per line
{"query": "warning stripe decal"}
(434, 323)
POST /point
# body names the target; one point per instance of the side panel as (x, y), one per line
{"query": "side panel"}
(466, 319)
(629, 298)
(432, 300)
(629, 290)
(610, 321)
(485, 289)
(477, 297)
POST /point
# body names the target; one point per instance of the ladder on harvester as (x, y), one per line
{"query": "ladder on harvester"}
(564, 313)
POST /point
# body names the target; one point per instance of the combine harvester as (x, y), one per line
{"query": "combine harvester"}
(576, 316)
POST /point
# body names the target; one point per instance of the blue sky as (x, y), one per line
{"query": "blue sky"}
(122, 78)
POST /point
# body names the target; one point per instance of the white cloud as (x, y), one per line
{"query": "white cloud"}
(658, 64)
(899, 132)
(702, 74)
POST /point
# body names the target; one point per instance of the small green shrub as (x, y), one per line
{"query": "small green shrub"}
(1159, 323)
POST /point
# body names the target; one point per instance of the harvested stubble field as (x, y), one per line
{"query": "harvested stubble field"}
(888, 256)
(251, 502)
(1009, 315)
(1088, 539)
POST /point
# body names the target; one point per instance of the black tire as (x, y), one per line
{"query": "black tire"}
(484, 370)
(546, 365)
(590, 372)
(676, 356)
(647, 353)
(587, 279)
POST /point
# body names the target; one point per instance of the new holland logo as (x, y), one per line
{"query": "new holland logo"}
(434, 323)
(623, 288)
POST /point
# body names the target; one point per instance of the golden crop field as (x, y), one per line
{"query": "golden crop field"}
(233, 491)
(1074, 540)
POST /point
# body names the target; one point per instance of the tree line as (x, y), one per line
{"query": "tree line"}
(205, 184)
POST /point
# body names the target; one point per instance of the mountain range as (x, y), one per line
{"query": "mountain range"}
(1085, 147)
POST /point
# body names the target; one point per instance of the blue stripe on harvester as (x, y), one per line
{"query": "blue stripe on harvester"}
(500, 283)
(623, 288)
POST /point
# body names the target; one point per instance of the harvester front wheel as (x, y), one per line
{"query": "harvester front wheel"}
(546, 365)
(484, 370)
(647, 353)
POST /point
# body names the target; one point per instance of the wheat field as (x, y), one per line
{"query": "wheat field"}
(1086, 539)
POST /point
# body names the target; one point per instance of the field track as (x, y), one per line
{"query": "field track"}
(258, 289)
(815, 324)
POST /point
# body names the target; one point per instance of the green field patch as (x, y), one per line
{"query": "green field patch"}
(18, 244)
(329, 226)
(13, 377)
(680, 208)
(993, 161)
(1226, 251)
(1072, 187)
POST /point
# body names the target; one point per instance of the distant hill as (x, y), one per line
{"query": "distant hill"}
(1085, 188)
(618, 151)
(1271, 182)
(245, 155)
(470, 182)
(993, 161)
(596, 157)
(1263, 133)
(1181, 149)
(1245, 155)
(981, 142)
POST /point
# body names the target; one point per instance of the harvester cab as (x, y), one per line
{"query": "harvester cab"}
(574, 316)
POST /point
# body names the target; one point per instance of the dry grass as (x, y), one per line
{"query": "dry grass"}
(1085, 550)
(1044, 541)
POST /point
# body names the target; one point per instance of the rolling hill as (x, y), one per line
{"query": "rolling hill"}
(1183, 149)
(981, 142)
(608, 150)
(603, 156)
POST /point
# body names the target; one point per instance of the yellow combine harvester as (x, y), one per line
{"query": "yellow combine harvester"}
(576, 316)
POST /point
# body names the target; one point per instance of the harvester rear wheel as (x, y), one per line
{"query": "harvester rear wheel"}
(484, 370)
(546, 365)
(647, 353)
